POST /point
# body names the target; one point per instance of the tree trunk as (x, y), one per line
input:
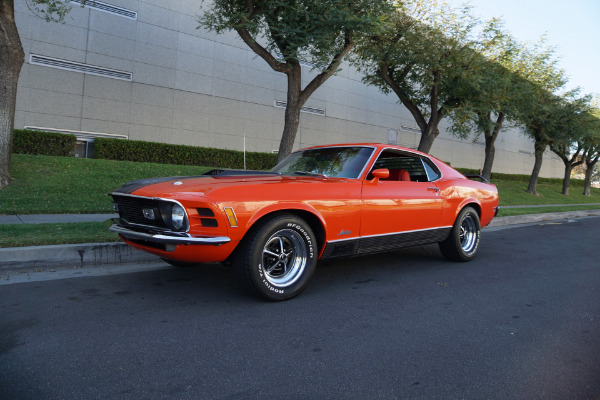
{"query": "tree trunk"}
(540, 147)
(428, 137)
(490, 152)
(567, 179)
(429, 129)
(588, 181)
(589, 172)
(292, 112)
(11, 61)
(490, 147)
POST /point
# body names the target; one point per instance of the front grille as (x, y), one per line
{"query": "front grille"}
(131, 210)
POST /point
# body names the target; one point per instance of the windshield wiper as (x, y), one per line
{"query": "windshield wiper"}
(306, 173)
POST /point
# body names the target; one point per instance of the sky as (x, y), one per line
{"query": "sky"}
(573, 27)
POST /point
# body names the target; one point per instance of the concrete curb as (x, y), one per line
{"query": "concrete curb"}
(80, 255)
(100, 254)
(535, 218)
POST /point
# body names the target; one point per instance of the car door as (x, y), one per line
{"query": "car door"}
(397, 212)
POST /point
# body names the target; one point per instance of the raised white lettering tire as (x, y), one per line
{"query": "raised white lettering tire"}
(277, 258)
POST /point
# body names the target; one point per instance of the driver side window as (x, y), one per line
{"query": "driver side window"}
(405, 167)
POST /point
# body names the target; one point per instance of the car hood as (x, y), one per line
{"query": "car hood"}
(204, 184)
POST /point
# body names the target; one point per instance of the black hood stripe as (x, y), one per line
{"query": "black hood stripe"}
(132, 186)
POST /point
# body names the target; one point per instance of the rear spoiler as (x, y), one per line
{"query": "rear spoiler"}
(481, 178)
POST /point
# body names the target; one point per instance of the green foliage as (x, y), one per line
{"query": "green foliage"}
(44, 143)
(492, 100)
(296, 30)
(425, 57)
(285, 33)
(573, 124)
(50, 10)
(538, 106)
(162, 153)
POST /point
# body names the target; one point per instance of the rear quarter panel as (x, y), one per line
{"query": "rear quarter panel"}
(460, 192)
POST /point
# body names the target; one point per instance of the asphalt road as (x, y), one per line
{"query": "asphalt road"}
(522, 321)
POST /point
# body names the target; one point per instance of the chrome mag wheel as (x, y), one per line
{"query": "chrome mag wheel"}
(463, 241)
(277, 258)
(468, 234)
(284, 258)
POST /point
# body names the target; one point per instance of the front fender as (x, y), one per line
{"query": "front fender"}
(283, 207)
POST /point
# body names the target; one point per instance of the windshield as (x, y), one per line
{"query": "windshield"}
(340, 162)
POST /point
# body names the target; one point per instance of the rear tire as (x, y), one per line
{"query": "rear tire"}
(463, 242)
(277, 258)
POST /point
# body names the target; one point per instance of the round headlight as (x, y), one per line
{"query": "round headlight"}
(177, 216)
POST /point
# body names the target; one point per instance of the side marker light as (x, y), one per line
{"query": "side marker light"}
(231, 217)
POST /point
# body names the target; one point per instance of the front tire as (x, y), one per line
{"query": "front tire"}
(277, 258)
(463, 242)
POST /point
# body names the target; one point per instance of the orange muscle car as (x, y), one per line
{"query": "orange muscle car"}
(319, 203)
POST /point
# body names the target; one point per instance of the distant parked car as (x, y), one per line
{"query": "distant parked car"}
(319, 203)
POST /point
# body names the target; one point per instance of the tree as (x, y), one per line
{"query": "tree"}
(285, 33)
(592, 155)
(425, 57)
(490, 104)
(11, 61)
(543, 128)
(592, 145)
(537, 105)
(573, 126)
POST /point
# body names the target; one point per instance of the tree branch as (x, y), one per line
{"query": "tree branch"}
(330, 70)
(387, 76)
(261, 51)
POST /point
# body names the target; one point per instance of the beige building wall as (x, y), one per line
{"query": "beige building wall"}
(185, 85)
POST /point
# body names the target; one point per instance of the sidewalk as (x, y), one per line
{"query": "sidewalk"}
(100, 254)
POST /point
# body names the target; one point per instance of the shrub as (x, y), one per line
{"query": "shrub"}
(136, 150)
(43, 143)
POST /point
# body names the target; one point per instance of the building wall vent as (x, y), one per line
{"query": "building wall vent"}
(413, 129)
(79, 67)
(109, 8)
(306, 109)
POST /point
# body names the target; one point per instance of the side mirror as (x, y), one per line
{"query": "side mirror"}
(378, 174)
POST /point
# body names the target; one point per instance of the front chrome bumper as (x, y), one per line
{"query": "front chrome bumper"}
(184, 238)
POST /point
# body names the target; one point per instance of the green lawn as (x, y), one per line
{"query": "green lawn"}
(61, 185)
(513, 193)
(64, 185)
(46, 234)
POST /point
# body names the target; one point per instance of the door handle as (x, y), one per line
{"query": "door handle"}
(433, 189)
